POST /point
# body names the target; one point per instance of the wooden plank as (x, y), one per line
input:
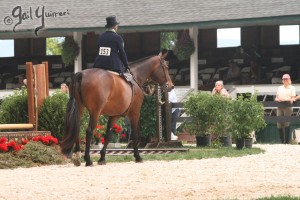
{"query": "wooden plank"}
(15, 126)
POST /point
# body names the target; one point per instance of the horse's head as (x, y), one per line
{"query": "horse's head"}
(161, 73)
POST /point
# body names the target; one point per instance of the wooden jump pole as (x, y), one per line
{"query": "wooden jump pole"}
(16, 126)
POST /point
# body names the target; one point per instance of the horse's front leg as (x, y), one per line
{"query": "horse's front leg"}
(135, 139)
(77, 155)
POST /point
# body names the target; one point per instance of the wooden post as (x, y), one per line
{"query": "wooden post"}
(30, 95)
(46, 77)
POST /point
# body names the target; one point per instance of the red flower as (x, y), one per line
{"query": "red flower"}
(24, 141)
(12, 144)
(117, 128)
(3, 140)
(99, 127)
(123, 135)
(3, 147)
(47, 140)
(102, 140)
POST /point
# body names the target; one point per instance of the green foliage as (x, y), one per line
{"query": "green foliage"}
(14, 108)
(52, 114)
(148, 118)
(70, 51)
(247, 115)
(207, 112)
(223, 116)
(54, 45)
(168, 40)
(184, 47)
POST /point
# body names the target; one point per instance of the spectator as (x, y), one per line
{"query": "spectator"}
(64, 88)
(220, 90)
(286, 95)
(175, 114)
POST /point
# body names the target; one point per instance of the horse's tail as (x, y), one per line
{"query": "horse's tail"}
(72, 118)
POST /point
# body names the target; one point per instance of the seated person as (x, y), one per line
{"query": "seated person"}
(219, 89)
(255, 71)
(233, 73)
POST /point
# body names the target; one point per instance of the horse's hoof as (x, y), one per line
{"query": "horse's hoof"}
(101, 163)
(140, 160)
(76, 161)
(89, 163)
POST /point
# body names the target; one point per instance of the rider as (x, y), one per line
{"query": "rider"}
(111, 55)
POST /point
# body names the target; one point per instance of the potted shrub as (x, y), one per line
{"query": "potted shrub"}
(247, 115)
(207, 113)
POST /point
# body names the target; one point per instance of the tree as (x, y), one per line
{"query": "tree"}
(54, 45)
(168, 40)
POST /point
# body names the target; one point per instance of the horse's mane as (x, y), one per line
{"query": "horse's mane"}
(139, 60)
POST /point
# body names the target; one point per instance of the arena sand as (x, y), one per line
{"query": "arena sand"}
(275, 172)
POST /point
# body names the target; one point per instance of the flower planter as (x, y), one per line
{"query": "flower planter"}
(248, 143)
(226, 141)
(240, 142)
(202, 141)
(186, 137)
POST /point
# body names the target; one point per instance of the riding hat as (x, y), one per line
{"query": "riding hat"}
(111, 21)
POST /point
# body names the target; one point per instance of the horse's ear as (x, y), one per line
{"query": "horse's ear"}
(163, 54)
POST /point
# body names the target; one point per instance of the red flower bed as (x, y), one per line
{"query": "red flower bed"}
(12, 146)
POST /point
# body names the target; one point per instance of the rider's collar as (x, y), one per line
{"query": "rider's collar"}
(111, 29)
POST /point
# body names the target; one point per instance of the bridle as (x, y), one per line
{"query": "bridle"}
(163, 66)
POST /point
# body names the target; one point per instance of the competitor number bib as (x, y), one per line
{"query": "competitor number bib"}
(104, 51)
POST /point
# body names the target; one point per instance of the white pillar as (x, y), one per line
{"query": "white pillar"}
(78, 61)
(194, 59)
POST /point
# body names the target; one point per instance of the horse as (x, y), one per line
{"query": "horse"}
(104, 93)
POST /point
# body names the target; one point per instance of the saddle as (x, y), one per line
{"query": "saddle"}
(127, 77)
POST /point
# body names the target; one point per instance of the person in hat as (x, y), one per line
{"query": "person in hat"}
(111, 55)
(286, 94)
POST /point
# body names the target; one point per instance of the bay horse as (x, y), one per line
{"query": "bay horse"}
(108, 94)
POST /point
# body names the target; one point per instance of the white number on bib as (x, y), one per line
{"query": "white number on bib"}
(104, 51)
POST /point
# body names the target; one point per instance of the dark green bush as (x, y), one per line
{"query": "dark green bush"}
(52, 114)
(14, 109)
(148, 118)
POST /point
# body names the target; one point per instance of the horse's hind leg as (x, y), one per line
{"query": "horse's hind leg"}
(76, 157)
(89, 132)
(107, 137)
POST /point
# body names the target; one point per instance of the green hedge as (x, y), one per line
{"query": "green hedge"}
(148, 118)
(14, 109)
(52, 114)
